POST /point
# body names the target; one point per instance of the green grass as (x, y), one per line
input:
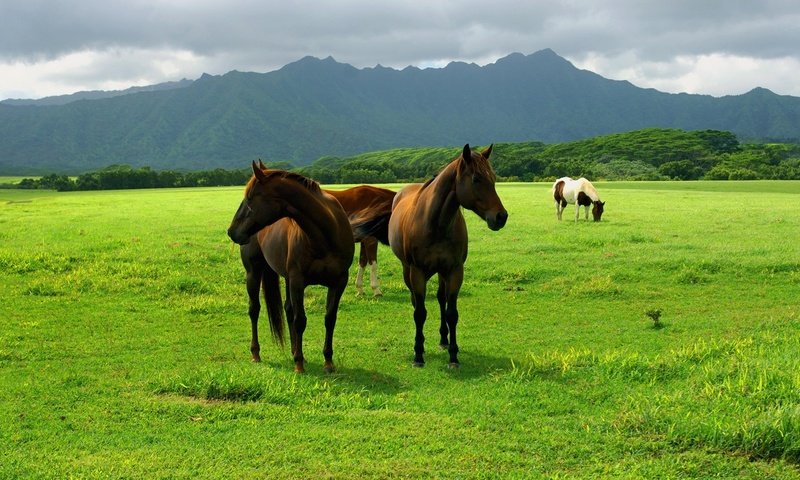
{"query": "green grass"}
(124, 345)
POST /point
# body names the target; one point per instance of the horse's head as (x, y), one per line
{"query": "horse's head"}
(259, 208)
(475, 187)
(597, 210)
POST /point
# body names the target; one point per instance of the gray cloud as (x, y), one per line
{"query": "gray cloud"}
(261, 36)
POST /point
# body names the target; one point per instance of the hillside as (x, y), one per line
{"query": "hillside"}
(648, 154)
(314, 108)
(94, 94)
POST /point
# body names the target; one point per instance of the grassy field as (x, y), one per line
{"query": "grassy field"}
(124, 345)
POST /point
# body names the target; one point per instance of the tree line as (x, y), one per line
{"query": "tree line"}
(650, 154)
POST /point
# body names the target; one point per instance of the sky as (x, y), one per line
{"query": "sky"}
(714, 47)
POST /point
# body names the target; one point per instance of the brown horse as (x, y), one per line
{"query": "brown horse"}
(286, 225)
(428, 234)
(356, 201)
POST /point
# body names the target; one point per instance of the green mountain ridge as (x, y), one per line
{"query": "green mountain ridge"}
(314, 108)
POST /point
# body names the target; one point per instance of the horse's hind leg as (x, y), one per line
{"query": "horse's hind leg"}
(331, 310)
(362, 262)
(441, 297)
(287, 307)
(298, 323)
(452, 287)
(370, 244)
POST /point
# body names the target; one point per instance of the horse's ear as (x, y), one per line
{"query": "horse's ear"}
(261, 165)
(487, 152)
(258, 173)
(467, 153)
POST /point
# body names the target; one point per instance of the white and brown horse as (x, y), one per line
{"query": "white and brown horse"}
(580, 193)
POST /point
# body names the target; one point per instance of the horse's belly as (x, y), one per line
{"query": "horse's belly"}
(438, 258)
(327, 271)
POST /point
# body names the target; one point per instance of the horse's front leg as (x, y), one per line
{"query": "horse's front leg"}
(558, 209)
(416, 282)
(254, 274)
(296, 291)
(331, 309)
(452, 286)
(577, 211)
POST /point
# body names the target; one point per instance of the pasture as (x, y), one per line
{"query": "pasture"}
(124, 345)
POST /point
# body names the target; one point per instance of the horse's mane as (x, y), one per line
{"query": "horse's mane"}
(307, 183)
(590, 190)
(428, 181)
(481, 165)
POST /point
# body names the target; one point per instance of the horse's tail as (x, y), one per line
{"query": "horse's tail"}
(373, 223)
(270, 284)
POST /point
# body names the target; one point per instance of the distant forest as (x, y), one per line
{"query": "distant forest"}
(650, 154)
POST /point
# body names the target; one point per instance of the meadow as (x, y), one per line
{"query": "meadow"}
(124, 345)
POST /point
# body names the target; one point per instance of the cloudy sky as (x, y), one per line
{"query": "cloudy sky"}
(716, 47)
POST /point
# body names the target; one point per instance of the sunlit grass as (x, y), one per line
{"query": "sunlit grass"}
(124, 345)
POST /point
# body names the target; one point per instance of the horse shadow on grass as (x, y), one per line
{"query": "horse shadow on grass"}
(349, 377)
(474, 365)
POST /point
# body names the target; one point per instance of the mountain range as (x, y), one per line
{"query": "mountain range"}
(320, 107)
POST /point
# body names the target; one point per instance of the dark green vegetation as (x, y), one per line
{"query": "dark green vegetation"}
(652, 154)
(124, 345)
(314, 107)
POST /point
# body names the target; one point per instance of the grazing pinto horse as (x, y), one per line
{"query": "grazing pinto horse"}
(579, 192)
(356, 201)
(286, 225)
(428, 234)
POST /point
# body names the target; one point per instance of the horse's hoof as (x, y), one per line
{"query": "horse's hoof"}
(453, 365)
(378, 294)
(417, 364)
(256, 359)
(299, 369)
(444, 346)
(329, 368)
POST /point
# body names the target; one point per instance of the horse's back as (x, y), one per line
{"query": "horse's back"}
(568, 190)
(356, 199)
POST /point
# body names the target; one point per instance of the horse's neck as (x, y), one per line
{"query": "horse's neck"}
(310, 211)
(590, 192)
(440, 199)
(583, 186)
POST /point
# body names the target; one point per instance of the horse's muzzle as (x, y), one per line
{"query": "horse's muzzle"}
(499, 220)
(238, 236)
